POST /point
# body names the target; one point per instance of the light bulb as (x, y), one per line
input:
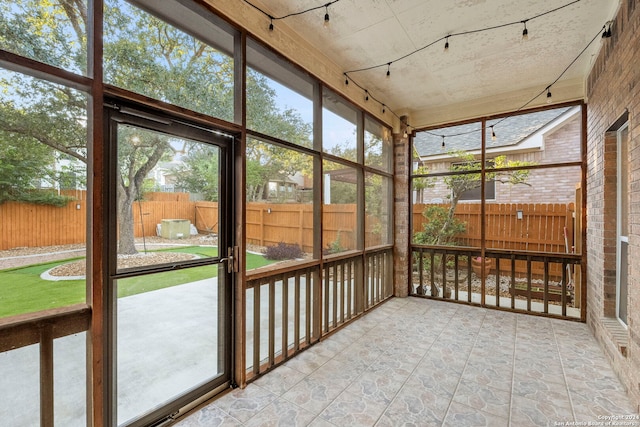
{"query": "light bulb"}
(549, 98)
(326, 17)
(446, 45)
(493, 134)
(525, 32)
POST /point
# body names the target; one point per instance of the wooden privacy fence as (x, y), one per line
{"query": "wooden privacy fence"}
(29, 225)
(519, 226)
(267, 224)
(541, 228)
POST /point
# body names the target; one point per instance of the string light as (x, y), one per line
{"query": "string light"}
(385, 108)
(525, 32)
(462, 33)
(607, 33)
(443, 142)
(546, 89)
(301, 12)
(326, 15)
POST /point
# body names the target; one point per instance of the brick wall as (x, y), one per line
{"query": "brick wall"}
(401, 214)
(613, 90)
(545, 185)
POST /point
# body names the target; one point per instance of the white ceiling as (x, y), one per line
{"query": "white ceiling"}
(482, 73)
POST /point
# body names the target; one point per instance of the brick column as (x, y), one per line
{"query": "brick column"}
(401, 206)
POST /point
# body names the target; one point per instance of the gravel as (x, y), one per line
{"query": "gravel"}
(78, 268)
(18, 257)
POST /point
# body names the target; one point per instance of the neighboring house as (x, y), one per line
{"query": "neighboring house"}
(164, 176)
(551, 136)
(290, 189)
(70, 174)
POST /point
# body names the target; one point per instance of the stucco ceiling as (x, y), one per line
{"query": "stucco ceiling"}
(482, 73)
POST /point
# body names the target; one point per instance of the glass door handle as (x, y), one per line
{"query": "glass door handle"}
(231, 259)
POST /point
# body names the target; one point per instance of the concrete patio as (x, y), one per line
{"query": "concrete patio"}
(422, 362)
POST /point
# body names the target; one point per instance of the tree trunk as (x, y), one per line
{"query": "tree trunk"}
(126, 236)
(448, 221)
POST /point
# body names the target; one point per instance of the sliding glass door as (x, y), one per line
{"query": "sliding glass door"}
(169, 282)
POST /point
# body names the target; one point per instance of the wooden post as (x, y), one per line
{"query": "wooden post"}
(46, 376)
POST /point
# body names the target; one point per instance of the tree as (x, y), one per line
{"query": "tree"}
(201, 171)
(269, 162)
(41, 124)
(142, 54)
(421, 183)
(447, 225)
(22, 168)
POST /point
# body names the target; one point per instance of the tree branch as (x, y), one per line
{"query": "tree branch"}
(76, 11)
(44, 140)
(159, 149)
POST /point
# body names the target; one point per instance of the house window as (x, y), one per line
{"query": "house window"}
(471, 189)
(474, 193)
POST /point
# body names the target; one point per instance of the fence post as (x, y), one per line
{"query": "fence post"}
(301, 225)
(261, 226)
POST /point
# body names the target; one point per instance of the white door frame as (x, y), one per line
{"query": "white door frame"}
(620, 238)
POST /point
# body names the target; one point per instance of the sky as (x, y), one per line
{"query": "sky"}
(336, 130)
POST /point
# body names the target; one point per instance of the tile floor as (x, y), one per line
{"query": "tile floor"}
(418, 362)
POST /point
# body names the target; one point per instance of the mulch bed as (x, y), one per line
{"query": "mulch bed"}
(78, 268)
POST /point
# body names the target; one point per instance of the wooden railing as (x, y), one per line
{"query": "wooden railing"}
(43, 328)
(343, 295)
(450, 273)
(283, 317)
(378, 276)
(289, 311)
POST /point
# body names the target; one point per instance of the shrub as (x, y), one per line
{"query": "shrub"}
(441, 227)
(334, 247)
(283, 251)
(38, 198)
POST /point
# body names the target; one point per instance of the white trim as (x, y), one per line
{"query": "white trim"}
(619, 237)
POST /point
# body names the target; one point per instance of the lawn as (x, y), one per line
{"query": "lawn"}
(23, 291)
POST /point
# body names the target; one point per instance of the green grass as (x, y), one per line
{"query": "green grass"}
(23, 291)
